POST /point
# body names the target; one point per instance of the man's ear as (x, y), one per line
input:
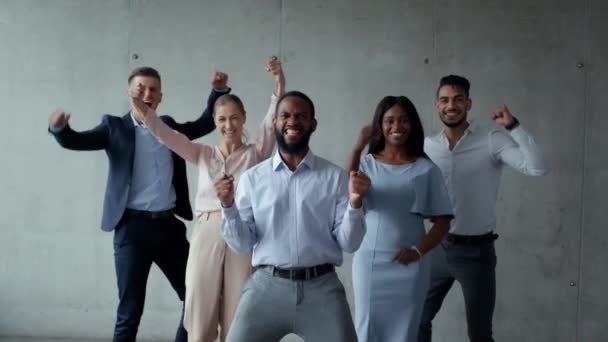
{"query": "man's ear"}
(314, 124)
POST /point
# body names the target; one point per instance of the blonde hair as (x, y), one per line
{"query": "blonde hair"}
(231, 98)
(228, 98)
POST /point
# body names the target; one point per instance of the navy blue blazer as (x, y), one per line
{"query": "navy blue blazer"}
(116, 135)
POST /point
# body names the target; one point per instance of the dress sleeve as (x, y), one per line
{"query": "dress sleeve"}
(432, 197)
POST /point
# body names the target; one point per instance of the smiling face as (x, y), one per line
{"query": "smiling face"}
(150, 87)
(452, 104)
(294, 124)
(396, 126)
(230, 120)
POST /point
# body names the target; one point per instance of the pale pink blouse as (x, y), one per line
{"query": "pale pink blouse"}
(211, 163)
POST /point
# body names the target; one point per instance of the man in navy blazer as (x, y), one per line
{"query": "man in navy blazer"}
(146, 188)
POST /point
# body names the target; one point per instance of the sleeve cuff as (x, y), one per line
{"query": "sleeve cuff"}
(518, 132)
(223, 91)
(230, 212)
(355, 211)
(54, 130)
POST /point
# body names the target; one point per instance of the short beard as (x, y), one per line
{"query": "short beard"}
(299, 147)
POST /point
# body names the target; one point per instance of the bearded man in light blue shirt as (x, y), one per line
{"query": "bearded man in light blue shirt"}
(298, 212)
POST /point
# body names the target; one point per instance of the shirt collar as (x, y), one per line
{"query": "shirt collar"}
(473, 126)
(309, 160)
(135, 123)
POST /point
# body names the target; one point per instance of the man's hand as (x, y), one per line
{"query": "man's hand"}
(503, 116)
(275, 68)
(219, 81)
(58, 120)
(358, 186)
(138, 107)
(224, 187)
(406, 255)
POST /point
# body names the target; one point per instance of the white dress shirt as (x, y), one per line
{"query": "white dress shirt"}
(293, 219)
(473, 168)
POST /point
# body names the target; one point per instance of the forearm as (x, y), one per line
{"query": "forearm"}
(440, 228)
(204, 124)
(354, 158)
(531, 160)
(175, 141)
(91, 140)
(239, 235)
(351, 229)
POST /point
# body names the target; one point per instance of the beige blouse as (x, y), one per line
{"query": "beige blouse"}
(211, 163)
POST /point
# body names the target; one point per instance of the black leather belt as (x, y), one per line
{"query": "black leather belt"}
(300, 273)
(471, 239)
(149, 214)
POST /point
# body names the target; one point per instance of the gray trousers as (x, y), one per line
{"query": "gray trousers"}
(272, 307)
(473, 266)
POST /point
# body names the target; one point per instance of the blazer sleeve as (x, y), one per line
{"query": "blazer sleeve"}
(204, 124)
(94, 139)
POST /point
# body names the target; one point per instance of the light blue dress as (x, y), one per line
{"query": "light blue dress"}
(389, 296)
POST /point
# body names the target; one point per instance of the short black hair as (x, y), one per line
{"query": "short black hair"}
(298, 94)
(144, 71)
(455, 81)
(414, 145)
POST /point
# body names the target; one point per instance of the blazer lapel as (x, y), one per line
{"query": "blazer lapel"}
(129, 143)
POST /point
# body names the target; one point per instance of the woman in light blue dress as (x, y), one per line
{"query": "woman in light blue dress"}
(391, 272)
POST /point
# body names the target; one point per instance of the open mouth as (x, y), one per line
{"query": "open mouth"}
(292, 132)
(452, 114)
(149, 104)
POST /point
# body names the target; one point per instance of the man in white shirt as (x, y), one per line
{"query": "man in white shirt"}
(298, 212)
(471, 160)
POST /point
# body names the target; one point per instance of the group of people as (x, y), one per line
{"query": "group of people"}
(272, 226)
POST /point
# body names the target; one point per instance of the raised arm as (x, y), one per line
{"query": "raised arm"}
(266, 140)
(91, 140)
(174, 140)
(365, 137)
(516, 149)
(205, 124)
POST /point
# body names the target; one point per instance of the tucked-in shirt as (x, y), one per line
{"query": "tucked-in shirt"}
(152, 178)
(210, 160)
(473, 168)
(293, 219)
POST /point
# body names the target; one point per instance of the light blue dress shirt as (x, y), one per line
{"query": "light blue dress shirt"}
(152, 178)
(293, 219)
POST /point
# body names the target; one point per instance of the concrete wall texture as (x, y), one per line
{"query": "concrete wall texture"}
(542, 58)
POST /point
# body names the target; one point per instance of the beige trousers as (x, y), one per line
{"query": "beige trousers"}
(214, 278)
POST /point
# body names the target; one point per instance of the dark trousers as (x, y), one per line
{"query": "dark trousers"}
(139, 242)
(473, 266)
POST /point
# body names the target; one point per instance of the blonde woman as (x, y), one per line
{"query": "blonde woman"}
(215, 274)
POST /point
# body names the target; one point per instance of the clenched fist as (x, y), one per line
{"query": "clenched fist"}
(58, 120)
(219, 80)
(224, 187)
(358, 186)
(502, 116)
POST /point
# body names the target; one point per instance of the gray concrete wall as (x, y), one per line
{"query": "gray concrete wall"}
(56, 266)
